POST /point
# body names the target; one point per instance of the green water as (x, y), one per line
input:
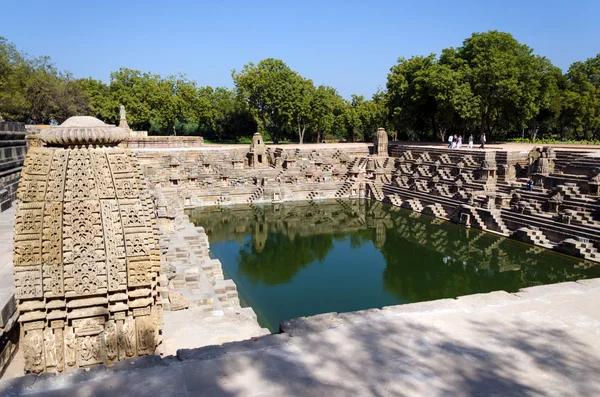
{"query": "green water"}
(301, 259)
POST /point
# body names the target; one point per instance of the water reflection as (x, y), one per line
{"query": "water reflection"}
(306, 258)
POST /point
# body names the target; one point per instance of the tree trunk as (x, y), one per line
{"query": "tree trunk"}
(534, 131)
(301, 130)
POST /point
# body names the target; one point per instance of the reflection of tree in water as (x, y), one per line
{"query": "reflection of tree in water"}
(425, 257)
(281, 257)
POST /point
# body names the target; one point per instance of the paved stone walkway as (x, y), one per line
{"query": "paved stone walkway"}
(538, 341)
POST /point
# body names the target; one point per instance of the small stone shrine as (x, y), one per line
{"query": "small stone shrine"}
(86, 258)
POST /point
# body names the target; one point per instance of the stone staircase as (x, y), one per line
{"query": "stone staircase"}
(445, 159)
(412, 204)
(532, 235)
(376, 192)
(581, 248)
(256, 194)
(227, 293)
(443, 190)
(421, 185)
(499, 225)
(469, 162)
(425, 157)
(394, 200)
(344, 190)
(444, 173)
(435, 210)
(569, 190)
(407, 155)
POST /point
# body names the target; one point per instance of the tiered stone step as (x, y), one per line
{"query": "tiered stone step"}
(213, 270)
(582, 248)
(500, 225)
(227, 292)
(435, 210)
(532, 236)
(256, 195)
(394, 200)
(377, 192)
(412, 204)
(343, 192)
(570, 190)
(421, 185)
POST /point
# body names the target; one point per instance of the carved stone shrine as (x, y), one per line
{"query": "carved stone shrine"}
(86, 258)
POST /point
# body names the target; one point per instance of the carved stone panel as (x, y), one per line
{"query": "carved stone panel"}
(90, 349)
(70, 347)
(28, 282)
(56, 178)
(110, 335)
(80, 184)
(145, 335)
(104, 180)
(83, 246)
(33, 350)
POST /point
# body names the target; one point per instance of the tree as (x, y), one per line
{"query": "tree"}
(501, 74)
(14, 72)
(102, 104)
(410, 104)
(267, 87)
(327, 107)
(582, 97)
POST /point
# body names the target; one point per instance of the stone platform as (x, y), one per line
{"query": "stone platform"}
(538, 341)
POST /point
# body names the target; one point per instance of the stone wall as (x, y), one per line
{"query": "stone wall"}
(12, 154)
(233, 175)
(481, 189)
(163, 142)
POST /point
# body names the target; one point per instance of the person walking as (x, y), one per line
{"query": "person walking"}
(471, 141)
(459, 145)
(450, 138)
(482, 139)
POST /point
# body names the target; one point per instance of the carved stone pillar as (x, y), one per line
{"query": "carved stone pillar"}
(86, 250)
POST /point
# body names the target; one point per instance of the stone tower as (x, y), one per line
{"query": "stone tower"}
(86, 257)
(257, 155)
(381, 142)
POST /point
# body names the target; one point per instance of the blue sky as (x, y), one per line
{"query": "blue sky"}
(349, 45)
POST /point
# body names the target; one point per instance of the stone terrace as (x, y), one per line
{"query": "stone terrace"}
(538, 341)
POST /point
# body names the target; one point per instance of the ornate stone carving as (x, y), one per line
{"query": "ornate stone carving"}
(33, 350)
(70, 347)
(50, 348)
(28, 282)
(85, 247)
(110, 335)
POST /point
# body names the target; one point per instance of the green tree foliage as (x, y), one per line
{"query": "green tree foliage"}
(582, 98)
(490, 84)
(33, 90)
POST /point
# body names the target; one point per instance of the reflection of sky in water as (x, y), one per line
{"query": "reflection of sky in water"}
(305, 259)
